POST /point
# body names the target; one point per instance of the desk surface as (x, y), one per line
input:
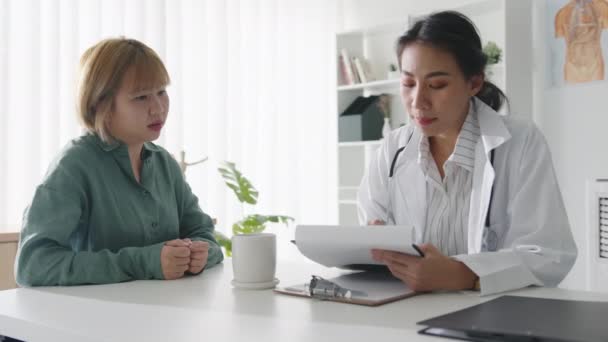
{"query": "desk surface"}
(208, 307)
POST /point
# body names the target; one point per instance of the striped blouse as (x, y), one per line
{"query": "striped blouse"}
(448, 199)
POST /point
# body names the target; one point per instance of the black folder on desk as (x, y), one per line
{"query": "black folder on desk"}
(515, 318)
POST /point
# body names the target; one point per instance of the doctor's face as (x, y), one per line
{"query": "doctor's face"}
(434, 90)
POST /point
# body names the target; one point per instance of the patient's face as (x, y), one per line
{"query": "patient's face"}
(434, 90)
(138, 113)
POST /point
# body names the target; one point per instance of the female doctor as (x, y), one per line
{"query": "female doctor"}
(479, 188)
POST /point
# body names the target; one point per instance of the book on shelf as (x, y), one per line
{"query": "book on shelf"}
(364, 70)
(353, 70)
(359, 68)
(356, 76)
(344, 79)
(350, 77)
(367, 69)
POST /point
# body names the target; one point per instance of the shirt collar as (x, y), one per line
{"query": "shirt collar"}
(105, 145)
(464, 151)
(424, 152)
(117, 144)
(152, 147)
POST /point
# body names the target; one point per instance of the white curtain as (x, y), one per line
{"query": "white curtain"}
(251, 83)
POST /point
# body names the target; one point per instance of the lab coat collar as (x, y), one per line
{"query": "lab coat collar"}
(493, 134)
(493, 130)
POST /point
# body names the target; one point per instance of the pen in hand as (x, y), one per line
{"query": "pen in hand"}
(418, 250)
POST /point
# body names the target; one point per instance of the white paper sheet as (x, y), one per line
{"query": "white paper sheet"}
(338, 246)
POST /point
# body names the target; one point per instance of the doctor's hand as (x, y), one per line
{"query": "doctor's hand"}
(175, 258)
(376, 223)
(434, 271)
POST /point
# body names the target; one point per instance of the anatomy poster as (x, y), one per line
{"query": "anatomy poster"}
(578, 41)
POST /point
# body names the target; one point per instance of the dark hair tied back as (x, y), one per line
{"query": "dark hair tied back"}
(455, 33)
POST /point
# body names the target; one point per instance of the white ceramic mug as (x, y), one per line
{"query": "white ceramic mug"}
(254, 260)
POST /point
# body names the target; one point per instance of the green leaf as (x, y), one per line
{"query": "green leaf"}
(247, 225)
(224, 241)
(279, 218)
(241, 186)
(257, 223)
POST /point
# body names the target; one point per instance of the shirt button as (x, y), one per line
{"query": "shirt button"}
(154, 224)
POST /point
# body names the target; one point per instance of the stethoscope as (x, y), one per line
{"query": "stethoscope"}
(400, 149)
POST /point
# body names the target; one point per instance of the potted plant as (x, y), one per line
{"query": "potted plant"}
(493, 52)
(247, 194)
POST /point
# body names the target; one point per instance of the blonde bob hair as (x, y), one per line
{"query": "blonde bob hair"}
(102, 70)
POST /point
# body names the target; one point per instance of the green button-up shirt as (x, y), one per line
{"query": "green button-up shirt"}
(91, 222)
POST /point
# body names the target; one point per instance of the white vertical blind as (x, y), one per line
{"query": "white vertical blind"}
(4, 24)
(250, 83)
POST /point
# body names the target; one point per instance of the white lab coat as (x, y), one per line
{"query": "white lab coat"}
(528, 242)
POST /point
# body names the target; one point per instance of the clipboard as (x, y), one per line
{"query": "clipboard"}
(362, 288)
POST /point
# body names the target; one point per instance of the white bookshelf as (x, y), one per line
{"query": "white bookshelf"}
(353, 160)
(376, 45)
(371, 86)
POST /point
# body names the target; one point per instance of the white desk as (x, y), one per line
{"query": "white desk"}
(207, 307)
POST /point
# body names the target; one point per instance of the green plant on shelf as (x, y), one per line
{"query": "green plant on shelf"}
(247, 194)
(493, 52)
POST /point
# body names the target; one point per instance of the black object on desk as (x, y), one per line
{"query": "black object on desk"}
(366, 268)
(515, 318)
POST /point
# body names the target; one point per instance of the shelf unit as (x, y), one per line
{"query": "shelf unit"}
(376, 45)
(353, 159)
(371, 86)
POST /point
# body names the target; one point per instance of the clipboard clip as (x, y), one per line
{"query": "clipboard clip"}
(324, 289)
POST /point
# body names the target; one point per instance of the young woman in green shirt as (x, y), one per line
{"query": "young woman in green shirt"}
(113, 206)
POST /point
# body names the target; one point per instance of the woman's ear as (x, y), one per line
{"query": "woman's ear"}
(476, 83)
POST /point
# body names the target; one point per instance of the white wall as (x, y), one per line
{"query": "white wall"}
(354, 14)
(574, 121)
